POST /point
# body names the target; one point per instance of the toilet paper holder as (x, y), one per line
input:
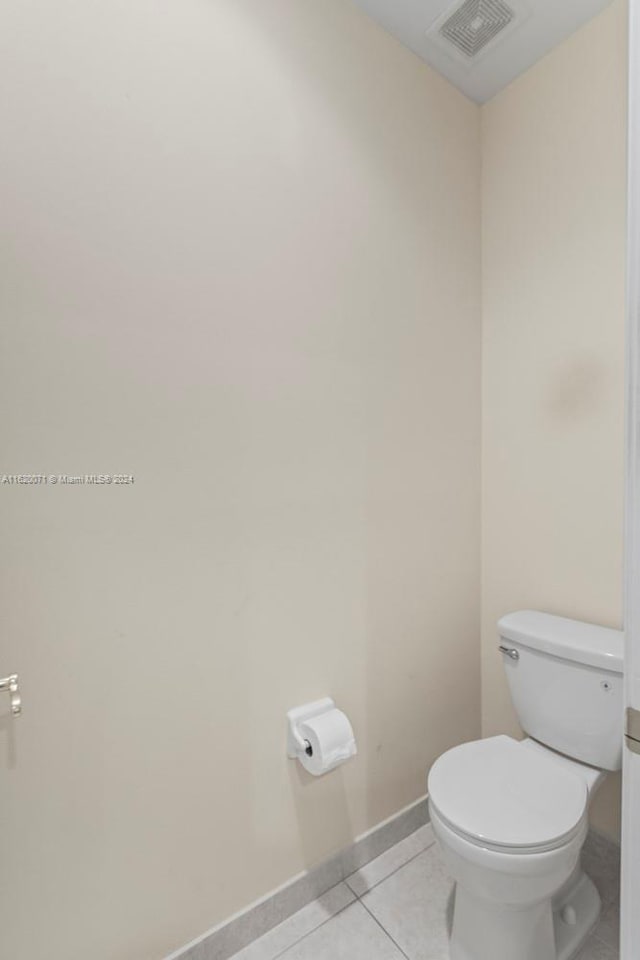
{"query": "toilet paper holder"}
(296, 744)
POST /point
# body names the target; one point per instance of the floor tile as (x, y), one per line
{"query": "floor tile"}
(390, 861)
(608, 928)
(351, 935)
(248, 927)
(412, 905)
(374, 844)
(288, 933)
(595, 949)
(601, 862)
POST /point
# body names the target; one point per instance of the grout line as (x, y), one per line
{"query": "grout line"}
(282, 953)
(609, 946)
(593, 935)
(393, 872)
(386, 932)
(357, 899)
(228, 930)
(293, 943)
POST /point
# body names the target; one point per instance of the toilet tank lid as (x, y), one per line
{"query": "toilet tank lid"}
(586, 643)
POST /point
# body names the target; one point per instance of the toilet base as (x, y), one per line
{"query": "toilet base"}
(575, 914)
(550, 930)
(486, 930)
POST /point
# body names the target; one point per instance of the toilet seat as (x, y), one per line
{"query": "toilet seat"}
(498, 795)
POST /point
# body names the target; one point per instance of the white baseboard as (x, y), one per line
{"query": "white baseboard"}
(221, 942)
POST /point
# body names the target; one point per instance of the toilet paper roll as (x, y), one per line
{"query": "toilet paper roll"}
(331, 742)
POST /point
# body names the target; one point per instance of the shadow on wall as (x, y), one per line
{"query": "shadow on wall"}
(373, 595)
(8, 737)
(578, 388)
(331, 94)
(405, 235)
(318, 800)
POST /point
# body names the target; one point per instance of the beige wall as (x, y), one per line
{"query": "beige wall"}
(241, 261)
(553, 192)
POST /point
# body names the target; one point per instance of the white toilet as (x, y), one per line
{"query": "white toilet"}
(511, 816)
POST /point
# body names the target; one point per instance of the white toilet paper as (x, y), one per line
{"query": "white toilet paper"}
(331, 740)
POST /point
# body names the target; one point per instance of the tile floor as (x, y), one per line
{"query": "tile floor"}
(395, 908)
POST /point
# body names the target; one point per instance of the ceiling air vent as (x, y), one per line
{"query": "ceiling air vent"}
(467, 30)
(475, 23)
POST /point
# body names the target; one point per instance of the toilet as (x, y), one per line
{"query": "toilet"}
(511, 816)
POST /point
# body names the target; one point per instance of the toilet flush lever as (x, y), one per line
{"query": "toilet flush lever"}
(10, 684)
(510, 652)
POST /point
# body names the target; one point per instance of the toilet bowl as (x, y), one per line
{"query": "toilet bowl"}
(511, 816)
(511, 823)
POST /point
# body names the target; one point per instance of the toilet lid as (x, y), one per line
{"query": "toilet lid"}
(496, 791)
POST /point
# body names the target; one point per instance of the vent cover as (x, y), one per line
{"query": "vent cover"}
(473, 25)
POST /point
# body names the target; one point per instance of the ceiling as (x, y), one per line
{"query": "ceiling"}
(537, 26)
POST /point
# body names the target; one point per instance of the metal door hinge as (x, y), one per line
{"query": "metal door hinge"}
(10, 684)
(632, 732)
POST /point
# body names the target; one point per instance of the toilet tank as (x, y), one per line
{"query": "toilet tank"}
(565, 679)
